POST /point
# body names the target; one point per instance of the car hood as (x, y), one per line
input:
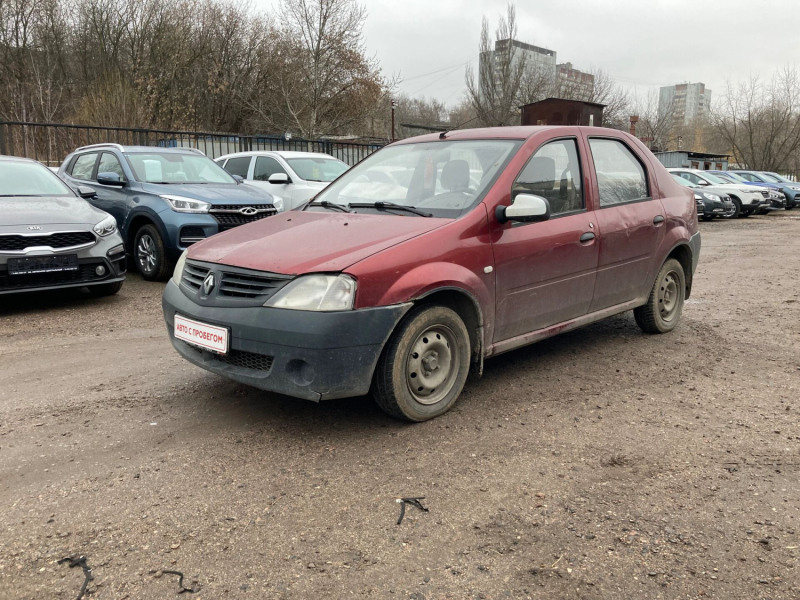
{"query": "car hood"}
(66, 210)
(298, 242)
(215, 193)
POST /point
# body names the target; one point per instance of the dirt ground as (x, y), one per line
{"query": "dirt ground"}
(603, 463)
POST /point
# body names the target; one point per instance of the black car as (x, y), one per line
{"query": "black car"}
(711, 202)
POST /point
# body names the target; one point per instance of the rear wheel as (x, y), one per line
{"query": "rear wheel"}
(424, 366)
(105, 289)
(663, 309)
(150, 255)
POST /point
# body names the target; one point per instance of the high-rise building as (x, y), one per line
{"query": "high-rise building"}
(539, 60)
(573, 81)
(684, 103)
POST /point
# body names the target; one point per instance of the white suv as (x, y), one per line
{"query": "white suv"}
(294, 177)
(746, 199)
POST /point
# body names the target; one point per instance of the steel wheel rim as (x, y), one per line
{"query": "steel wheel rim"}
(669, 296)
(432, 365)
(146, 253)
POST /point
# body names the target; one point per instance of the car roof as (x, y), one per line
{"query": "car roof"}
(513, 132)
(18, 159)
(136, 149)
(281, 153)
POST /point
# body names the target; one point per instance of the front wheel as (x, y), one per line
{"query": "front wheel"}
(424, 366)
(737, 209)
(663, 309)
(150, 255)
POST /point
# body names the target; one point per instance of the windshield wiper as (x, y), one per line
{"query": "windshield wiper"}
(389, 205)
(326, 204)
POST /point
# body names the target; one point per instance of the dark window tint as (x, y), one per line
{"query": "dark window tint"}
(266, 166)
(554, 173)
(110, 164)
(238, 166)
(620, 175)
(83, 166)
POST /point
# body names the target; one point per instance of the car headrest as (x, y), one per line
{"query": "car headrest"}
(455, 175)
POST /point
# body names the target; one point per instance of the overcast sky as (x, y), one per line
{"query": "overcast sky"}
(641, 43)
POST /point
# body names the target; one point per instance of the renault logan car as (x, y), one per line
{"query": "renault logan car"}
(353, 293)
(52, 238)
(164, 199)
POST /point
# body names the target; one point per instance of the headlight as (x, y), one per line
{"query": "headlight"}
(106, 227)
(277, 202)
(795, 188)
(317, 293)
(713, 197)
(699, 198)
(178, 272)
(186, 205)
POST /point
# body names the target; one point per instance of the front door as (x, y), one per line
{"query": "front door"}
(630, 221)
(262, 169)
(112, 199)
(546, 271)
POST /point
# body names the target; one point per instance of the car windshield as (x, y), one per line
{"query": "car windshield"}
(684, 182)
(314, 168)
(23, 178)
(733, 177)
(775, 178)
(168, 167)
(714, 178)
(445, 179)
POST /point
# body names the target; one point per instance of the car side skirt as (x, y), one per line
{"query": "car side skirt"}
(541, 334)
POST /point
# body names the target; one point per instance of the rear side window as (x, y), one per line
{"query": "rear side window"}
(266, 166)
(554, 173)
(83, 166)
(238, 166)
(621, 177)
(110, 164)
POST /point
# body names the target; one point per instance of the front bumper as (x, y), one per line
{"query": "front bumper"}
(310, 355)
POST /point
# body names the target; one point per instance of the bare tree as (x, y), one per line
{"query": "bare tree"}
(759, 121)
(654, 126)
(501, 72)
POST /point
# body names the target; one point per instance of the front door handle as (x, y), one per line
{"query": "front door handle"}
(658, 219)
(587, 237)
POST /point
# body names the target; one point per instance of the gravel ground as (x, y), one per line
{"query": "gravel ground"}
(603, 463)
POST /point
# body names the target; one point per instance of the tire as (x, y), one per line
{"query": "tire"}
(789, 206)
(106, 289)
(149, 255)
(663, 309)
(429, 336)
(737, 209)
(707, 217)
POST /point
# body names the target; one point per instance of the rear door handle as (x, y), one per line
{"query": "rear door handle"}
(587, 237)
(658, 219)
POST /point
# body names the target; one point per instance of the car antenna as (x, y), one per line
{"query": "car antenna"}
(444, 133)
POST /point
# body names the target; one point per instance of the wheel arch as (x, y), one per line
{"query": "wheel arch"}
(136, 222)
(682, 252)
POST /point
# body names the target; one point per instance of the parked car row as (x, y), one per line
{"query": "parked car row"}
(747, 197)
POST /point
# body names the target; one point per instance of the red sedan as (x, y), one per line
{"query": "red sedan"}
(433, 254)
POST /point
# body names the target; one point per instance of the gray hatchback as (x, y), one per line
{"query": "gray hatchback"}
(50, 237)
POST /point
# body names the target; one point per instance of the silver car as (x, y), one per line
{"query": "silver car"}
(52, 238)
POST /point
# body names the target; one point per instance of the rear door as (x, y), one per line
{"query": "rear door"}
(631, 221)
(546, 271)
(238, 165)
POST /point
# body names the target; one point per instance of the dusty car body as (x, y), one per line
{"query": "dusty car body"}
(565, 226)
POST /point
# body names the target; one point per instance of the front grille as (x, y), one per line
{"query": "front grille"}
(193, 275)
(765, 193)
(67, 239)
(246, 360)
(251, 285)
(229, 216)
(85, 273)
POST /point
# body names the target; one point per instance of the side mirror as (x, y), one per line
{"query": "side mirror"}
(110, 179)
(703, 182)
(238, 178)
(279, 178)
(86, 192)
(526, 208)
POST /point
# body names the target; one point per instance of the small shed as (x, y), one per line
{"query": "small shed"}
(687, 159)
(558, 111)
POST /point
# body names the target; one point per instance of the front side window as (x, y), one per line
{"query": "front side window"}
(317, 169)
(238, 166)
(154, 167)
(444, 178)
(266, 166)
(621, 177)
(83, 166)
(28, 178)
(772, 178)
(110, 164)
(554, 173)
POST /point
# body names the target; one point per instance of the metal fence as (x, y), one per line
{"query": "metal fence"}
(50, 143)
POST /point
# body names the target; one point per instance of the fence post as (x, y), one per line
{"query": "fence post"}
(2, 137)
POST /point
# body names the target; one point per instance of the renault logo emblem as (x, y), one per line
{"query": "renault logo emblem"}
(208, 284)
(248, 210)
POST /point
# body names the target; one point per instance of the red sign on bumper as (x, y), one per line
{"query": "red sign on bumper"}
(206, 336)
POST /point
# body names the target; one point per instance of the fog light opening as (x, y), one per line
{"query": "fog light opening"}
(100, 270)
